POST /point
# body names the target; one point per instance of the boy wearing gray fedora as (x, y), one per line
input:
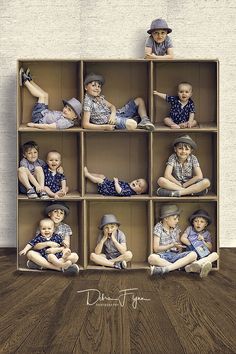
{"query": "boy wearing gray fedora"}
(56, 211)
(197, 238)
(42, 117)
(111, 250)
(183, 175)
(99, 114)
(159, 44)
(168, 255)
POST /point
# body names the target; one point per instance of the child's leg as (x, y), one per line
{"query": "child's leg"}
(39, 176)
(196, 188)
(170, 123)
(127, 256)
(101, 259)
(130, 124)
(212, 257)
(141, 107)
(73, 257)
(93, 177)
(41, 261)
(189, 258)
(58, 262)
(24, 175)
(36, 91)
(156, 260)
(165, 183)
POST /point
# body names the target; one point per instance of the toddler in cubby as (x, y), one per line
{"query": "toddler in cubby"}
(53, 249)
(183, 175)
(55, 182)
(159, 45)
(197, 238)
(182, 107)
(56, 211)
(99, 114)
(115, 187)
(168, 255)
(30, 172)
(111, 250)
(42, 117)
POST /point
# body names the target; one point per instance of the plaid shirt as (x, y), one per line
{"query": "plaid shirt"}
(183, 172)
(99, 112)
(166, 237)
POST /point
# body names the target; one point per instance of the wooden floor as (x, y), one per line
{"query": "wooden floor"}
(44, 313)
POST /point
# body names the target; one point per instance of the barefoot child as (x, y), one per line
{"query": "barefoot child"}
(183, 175)
(53, 251)
(111, 250)
(42, 117)
(197, 238)
(182, 107)
(115, 187)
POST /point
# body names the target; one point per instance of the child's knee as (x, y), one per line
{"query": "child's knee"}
(38, 169)
(73, 257)
(92, 257)
(152, 258)
(23, 170)
(207, 183)
(161, 181)
(138, 101)
(131, 124)
(128, 256)
(193, 256)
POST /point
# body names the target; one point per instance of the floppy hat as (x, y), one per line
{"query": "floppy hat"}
(75, 105)
(185, 139)
(108, 219)
(57, 205)
(93, 77)
(169, 210)
(159, 23)
(200, 213)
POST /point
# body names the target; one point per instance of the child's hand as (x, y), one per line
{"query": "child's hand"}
(155, 92)
(189, 124)
(200, 237)
(183, 125)
(115, 179)
(22, 253)
(112, 119)
(38, 188)
(50, 250)
(66, 252)
(60, 170)
(109, 127)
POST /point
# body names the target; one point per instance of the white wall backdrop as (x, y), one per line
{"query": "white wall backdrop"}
(115, 29)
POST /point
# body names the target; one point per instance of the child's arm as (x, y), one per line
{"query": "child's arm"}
(42, 126)
(208, 244)
(184, 239)
(156, 245)
(168, 175)
(41, 245)
(99, 247)
(149, 55)
(117, 186)
(54, 250)
(162, 95)
(25, 250)
(87, 125)
(190, 121)
(121, 247)
(197, 176)
(112, 119)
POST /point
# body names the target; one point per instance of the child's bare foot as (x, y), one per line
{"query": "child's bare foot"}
(183, 125)
(66, 265)
(86, 172)
(175, 126)
(30, 124)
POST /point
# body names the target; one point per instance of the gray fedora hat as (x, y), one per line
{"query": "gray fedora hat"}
(169, 210)
(200, 213)
(93, 77)
(159, 23)
(57, 205)
(108, 219)
(75, 105)
(186, 140)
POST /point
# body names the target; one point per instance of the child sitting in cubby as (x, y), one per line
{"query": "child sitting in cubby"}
(115, 187)
(55, 182)
(182, 107)
(99, 114)
(53, 251)
(183, 175)
(168, 255)
(56, 211)
(159, 44)
(111, 250)
(197, 238)
(30, 172)
(42, 117)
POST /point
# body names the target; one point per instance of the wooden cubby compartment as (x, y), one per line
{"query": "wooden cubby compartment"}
(122, 154)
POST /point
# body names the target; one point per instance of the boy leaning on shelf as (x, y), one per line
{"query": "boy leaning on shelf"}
(111, 250)
(42, 117)
(99, 114)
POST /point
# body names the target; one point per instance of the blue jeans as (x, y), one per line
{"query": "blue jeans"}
(127, 111)
(172, 257)
(36, 113)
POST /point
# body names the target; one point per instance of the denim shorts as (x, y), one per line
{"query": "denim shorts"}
(127, 111)
(112, 255)
(172, 257)
(36, 113)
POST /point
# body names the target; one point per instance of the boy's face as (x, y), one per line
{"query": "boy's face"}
(68, 112)
(31, 155)
(53, 160)
(46, 228)
(159, 35)
(94, 88)
(184, 92)
(199, 224)
(108, 229)
(139, 185)
(57, 216)
(183, 151)
(172, 220)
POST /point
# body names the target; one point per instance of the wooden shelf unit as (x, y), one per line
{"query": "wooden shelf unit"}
(123, 154)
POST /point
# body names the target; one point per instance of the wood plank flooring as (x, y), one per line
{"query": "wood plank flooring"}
(178, 313)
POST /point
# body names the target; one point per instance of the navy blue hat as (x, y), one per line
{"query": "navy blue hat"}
(159, 23)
